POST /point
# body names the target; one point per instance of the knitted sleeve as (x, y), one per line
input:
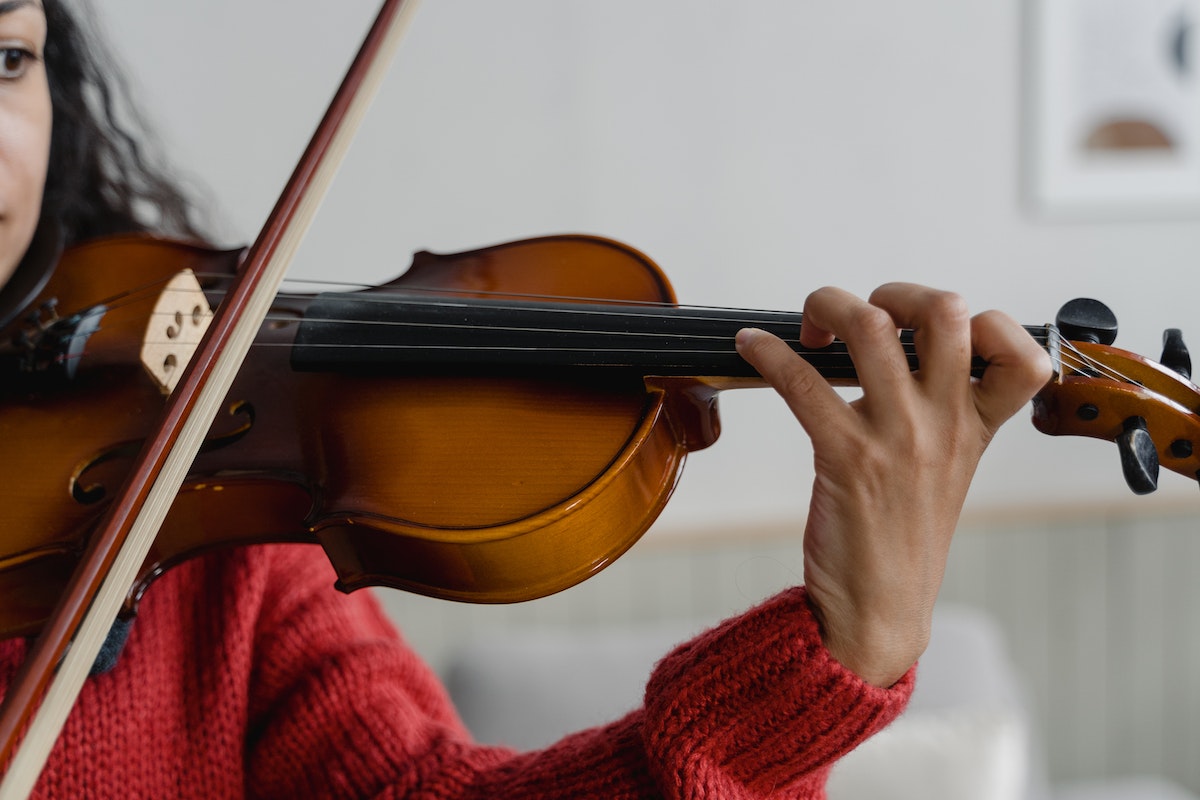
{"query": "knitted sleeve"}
(340, 707)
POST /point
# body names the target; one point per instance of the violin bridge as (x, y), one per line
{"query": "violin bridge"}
(181, 316)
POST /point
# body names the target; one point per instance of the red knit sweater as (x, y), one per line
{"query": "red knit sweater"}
(246, 674)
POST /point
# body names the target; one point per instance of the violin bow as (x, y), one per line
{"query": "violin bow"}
(52, 675)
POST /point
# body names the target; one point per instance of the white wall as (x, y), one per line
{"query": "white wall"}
(755, 150)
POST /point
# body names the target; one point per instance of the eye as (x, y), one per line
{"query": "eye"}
(14, 61)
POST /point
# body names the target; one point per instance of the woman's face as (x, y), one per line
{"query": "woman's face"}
(25, 120)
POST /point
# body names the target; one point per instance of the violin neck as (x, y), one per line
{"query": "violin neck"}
(345, 332)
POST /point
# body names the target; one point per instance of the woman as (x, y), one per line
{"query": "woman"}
(246, 674)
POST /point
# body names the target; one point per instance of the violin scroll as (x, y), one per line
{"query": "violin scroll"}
(1151, 410)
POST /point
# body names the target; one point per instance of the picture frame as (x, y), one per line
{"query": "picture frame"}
(1113, 108)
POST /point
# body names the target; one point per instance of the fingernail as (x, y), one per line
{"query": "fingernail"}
(745, 336)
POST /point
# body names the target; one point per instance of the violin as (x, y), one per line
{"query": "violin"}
(491, 426)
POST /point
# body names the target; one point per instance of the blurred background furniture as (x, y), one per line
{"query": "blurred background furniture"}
(967, 735)
(1091, 621)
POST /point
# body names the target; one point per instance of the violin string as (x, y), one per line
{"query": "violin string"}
(151, 291)
(1069, 354)
(386, 294)
(140, 294)
(837, 372)
(1071, 357)
(1084, 363)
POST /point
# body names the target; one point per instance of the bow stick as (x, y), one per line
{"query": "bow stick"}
(53, 673)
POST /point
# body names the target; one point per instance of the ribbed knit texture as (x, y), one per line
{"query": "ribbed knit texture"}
(247, 674)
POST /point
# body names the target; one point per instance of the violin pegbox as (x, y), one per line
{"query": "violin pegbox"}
(1151, 410)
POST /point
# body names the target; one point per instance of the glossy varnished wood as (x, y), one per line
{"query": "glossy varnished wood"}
(488, 490)
(1100, 387)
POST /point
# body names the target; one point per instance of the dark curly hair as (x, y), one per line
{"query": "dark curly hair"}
(101, 180)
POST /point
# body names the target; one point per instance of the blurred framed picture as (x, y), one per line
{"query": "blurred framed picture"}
(1113, 114)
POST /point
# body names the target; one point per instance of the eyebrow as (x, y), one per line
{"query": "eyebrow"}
(8, 6)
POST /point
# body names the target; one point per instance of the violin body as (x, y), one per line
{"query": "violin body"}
(486, 490)
(499, 478)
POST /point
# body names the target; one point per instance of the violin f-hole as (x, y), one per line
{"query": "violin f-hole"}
(95, 491)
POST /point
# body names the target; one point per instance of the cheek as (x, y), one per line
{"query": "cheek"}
(24, 159)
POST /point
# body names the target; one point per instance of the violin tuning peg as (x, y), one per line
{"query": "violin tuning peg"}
(1139, 457)
(1087, 320)
(1175, 353)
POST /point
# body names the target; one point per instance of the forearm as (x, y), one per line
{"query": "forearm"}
(759, 706)
(754, 708)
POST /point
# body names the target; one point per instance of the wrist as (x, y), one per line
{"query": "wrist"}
(877, 651)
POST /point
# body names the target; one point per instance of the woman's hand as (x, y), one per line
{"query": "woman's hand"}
(893, 467)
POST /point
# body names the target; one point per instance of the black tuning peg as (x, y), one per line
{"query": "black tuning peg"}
(1139, 458)
(1175, 353)
(1087, 320)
